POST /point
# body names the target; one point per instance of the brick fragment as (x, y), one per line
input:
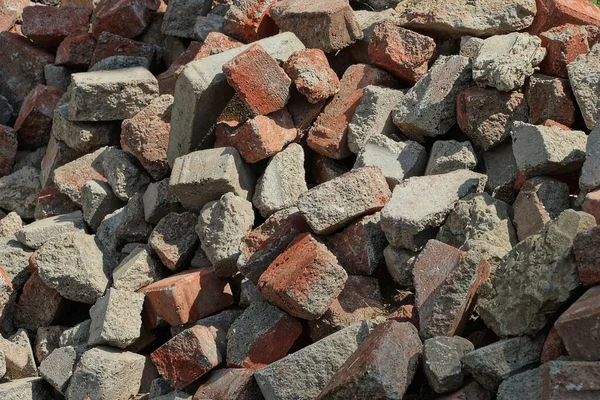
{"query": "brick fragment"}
(58, 367)
(20, 362)
(174, 239)
(122, 17)
(48, 27)
(553, 347)
(158, 201)
(71, 176)
(109, 45)
(583, 77)
(34, 123)
(249, 20)
(587, 257)
(551, 13)
(8, 297)
(57, 154)
(76, 50)
(563, 44)
(310, 71)
(229, 383)
(564, 379)
(450, 155)
(37, 233)
(51, 202)
(8, 150)
(550, 98)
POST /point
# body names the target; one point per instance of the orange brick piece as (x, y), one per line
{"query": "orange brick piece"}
(34, 123)
(127, 18)
(563, 44)
(551, 13)
(310, 71)
(249, 20)
(304, 280)
(76, 51)
(187, 296)
(259, 80)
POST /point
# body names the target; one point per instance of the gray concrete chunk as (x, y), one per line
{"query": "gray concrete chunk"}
(441, 362)
(39, 232)
(137, 270)
(19, 191)
(590, 172)
(83, 137)
(125, 175)
(26, 389)
(57, 368)
(181, 16)
(97, 201)
(450, 155)
(584, 75)
(158, 201)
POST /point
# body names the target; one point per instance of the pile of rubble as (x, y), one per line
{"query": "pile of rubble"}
(299, 199)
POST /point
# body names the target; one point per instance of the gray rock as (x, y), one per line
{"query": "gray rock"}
(469, 46)
(542, 150)
(103, 373)
(491, 364)
(501, 170)
(97, 201)
(77, 335)
(125, 93)
(19, 191)
(10, 225)
(206, 24)
(74, 266)
(397, 160)
(282, 182)
(47, 338)
(125, 176)
(57, 76)
(6, 111)
(14, 257)
(590, 172)
(399, 263)
(441, 362)
(221, 227)
(505, 61)
(26, 389)
(409, 227)
(450, 155)
(174, 239)
(248, 293)
(524, 386)
(158, 201)
(83, 137)
(39, 232)
(137, 270)
(428, 109)
(181, 16)
(206, 175)
(120, 62)
(535, 279)
(176, 395)
(57, 368)
(584, 74)
(373, 116)
(71, 176)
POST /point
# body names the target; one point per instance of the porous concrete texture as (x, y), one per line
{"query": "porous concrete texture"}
(39, 232)
(450, 155)
(583, 77)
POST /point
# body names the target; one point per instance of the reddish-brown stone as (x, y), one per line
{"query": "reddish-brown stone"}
(188, 296)
(401, 52)
(48, 26)
(406, 313)
(71, 176)
(229, 384)
(34, 123)
(304, 280)
(551, 123)
(249, 20)
(10, 12)
(563, 44)
(565, 380)
(187, 356)
(310, 71)
(329, 134)
(586, 248)
(591, 204)
(8, 149)
(109, 45)
(57, 155)
(303, 112)
(52, 202)
(127, 18)
(550, 98)
(258, 80)
(553, 347)
(578, 327)
(551, 13)
(76, 51)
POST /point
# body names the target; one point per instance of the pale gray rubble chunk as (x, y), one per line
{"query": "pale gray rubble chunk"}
(441, 362)
(104, 373)
(248, 293)
(19, 191)
(120, 62)
(501, 169)
(137, 270)
(20, 361)
(77, 335)
(181, 15)
(397, 160)
(480, 225)
(399, 263)
(97, 201)
(535, 279)
(14, 257)
(282, 182)
(450, 155)
(174, 239)
(303, 374)
(491, 364)
(57, 204)
(39, 232)
(524, 386)
(124, 93)
(57, 368)
(420, 204)
(116, 318)
(125, 176)
(540, 200)
(206, 175)
(373, 116)
(158, 201)
(221, 227)
(584, 75)
(469, 46)
(6, 111)
(75, 266)
(9, 225)
(2, 364)
(26, 389)
(57, 76)
(428, 109)
(505, 61)
(202, 92)
(454, 18)
(332, 205)
(542, 150)
(206, 24)
(47, 338)
(84, 137)
(589, 180)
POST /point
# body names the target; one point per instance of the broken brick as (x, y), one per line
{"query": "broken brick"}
(109, 44)
(34, 123)
(76, 51)
(563, 44)
(48, 26)
(125, 18)
(249, 20)
(550, 98)
(551, 13)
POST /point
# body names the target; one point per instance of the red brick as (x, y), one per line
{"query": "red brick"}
(304, 280)
(187, 356)
(303, 112)
(553, 347)
(48, 26)
(550, 98)
(328, 26)
(550, 123)
(406, 313)
(21, 67)
(329, 134)
(359, 300)
(310, 71)
(76, 51)
(578, 327)
(10, 11)
(249, 20)
(401, 52)
(551, 13)
(57, 154)
(188, 296)
(109, 45)
(563, 44)
(258, 80)
(591, 204)
(229, 384)
(34, 123)
(385, 363)
(324, 169)
(586, 249)
(127, 18)
(565, 380)
(260, 137)
(8, 149)
(71, 176)
(446, 282)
